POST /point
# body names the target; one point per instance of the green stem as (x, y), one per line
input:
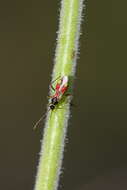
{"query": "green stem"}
(56, 123)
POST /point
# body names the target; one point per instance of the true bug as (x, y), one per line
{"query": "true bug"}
(60, 89)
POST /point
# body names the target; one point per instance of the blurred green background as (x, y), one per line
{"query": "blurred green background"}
(96, 148)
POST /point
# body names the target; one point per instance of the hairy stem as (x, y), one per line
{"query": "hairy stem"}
(56, 123)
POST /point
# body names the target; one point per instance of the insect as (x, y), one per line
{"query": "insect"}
(60, 89)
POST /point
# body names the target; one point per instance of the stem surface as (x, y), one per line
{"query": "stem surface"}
(56, 123)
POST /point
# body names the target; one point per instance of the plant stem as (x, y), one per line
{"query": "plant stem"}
(56, 123)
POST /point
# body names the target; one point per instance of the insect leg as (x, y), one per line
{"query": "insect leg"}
(53, 82)
(55, 79)
(52, 87)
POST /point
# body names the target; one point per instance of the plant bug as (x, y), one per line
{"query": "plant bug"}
(60, 89)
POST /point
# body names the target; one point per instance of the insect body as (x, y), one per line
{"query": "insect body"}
(60, 89)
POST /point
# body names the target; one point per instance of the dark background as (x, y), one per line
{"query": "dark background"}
(96, 152)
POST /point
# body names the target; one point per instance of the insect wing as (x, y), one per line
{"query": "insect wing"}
(58, 86)
(63, 86)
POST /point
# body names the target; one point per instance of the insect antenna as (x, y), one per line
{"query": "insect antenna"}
(37, 123)
(41, 119)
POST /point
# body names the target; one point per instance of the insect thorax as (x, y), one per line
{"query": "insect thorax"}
(54, 101)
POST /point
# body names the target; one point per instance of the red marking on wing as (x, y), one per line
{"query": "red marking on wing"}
(60, 89)
(57, 94)
(64, 89)
(57, 86)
